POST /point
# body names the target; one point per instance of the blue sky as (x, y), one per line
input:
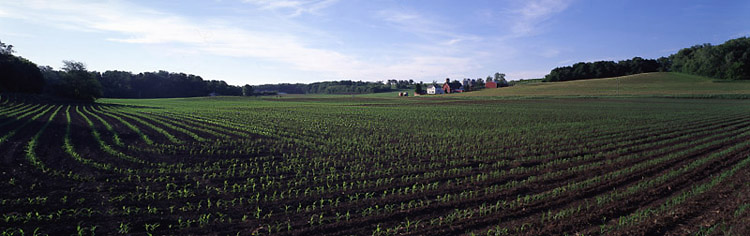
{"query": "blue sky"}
(266, 41)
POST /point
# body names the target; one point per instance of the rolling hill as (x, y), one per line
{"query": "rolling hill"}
(657, 83)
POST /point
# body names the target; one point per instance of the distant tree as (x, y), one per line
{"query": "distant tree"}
(333, 87)
(6, 49)
(665, 64)
(603, 69)
(730, 60)
(480, 83)
(52, 79)
(500, 80)
(418, 89)
(18, 74)
(455, 84)
(499, 76)
(78, 83)
(247, 90)
(117, 84)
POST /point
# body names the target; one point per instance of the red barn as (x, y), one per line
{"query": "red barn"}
(451, 88)
(490, 84)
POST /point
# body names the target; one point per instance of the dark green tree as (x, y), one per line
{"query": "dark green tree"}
(730, 60)
(117, 84)
(247, 90)
(418, 89)
(18, 74)
(78, 83)
(455, 84)
(6, 48)
(604, 69)
(480, 84)
(500, 79)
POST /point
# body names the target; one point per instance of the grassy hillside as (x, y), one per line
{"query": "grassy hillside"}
(659, 83)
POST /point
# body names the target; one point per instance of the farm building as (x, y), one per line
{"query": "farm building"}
(490, 84)
(434, 89)
(449, 87)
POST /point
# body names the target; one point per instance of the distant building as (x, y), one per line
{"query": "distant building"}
(449, 87)
(490, 84)
(434, 89)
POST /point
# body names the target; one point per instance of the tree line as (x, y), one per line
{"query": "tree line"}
(123, 84)
(75, 81)
(604, 69)
(18, 74)
(730, 60)
(336, 87)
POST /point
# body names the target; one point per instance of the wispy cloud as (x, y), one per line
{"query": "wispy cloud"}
(127, 23)
(425, 27)
(526, 19)
(528, 74)
(296, 7)
(735, 35)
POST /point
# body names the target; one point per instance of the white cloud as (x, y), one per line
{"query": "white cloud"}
(517, 75)
(549, 53)
(533, 12)
(736, 35)
(399, 17)
(296, 7)
(425, 27)
(127, 23)
(145, 26)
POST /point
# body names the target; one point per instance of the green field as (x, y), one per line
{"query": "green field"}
(647, 84)
(383, 165)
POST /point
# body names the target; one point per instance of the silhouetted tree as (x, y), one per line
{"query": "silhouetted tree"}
(602, 69)
(18, 74)
(78, 83)
(500, 80)
(247, 90)
(6, 48)
(418, 89)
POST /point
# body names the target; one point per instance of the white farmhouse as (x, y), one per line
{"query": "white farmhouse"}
(434, 89)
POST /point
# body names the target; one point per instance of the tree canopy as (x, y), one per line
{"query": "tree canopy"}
(6, 48)
(247, 90)
(18, 74)
(336, 87)
(602, 69)
(730, 60)
(78, 83)
(162, 84)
